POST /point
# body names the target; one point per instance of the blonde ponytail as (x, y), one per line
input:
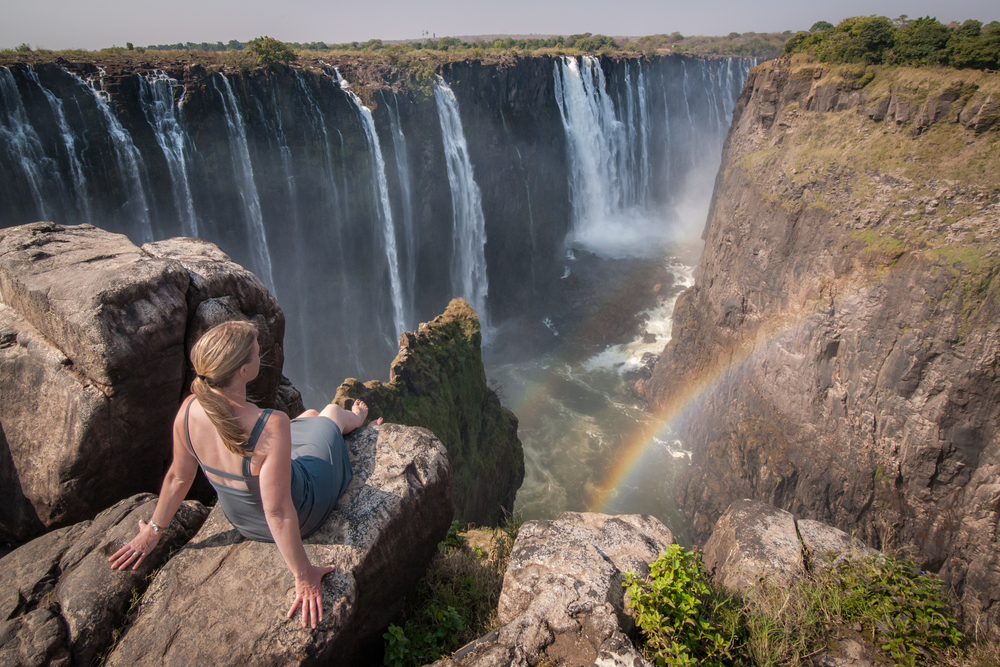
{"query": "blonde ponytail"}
(217, 357)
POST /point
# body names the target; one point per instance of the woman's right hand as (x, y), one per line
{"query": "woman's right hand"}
(309, 594)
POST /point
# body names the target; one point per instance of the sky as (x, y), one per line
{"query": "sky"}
(67, 24)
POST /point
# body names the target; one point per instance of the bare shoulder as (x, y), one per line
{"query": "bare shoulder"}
(182, 412)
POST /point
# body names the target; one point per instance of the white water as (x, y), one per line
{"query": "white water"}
(156, 95)
(69, 145)
(129, 160)
(384, 209)
(468, 263)
(21, 141)
(403, 173)
(576, 417)
(243, 171)
(608, 161)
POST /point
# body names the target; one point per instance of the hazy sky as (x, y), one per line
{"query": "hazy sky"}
(59, 24)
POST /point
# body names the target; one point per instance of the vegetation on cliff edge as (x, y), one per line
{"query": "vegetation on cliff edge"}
(924, 41)
(883, 601)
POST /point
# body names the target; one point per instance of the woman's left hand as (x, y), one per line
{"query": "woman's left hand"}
(137, 549)
(309, 594)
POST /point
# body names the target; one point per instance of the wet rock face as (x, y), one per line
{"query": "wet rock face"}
(437, 381)
(94, 336)
(59, 599)
(222, 600)
(563, 597)
(843, 326)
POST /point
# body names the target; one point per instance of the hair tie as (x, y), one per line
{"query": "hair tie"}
(202, 377)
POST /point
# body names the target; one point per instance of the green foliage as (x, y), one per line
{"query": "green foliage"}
(688, 622)
(820, 26)
(903, 608)
(456, 601)
(684, 621)
(269, 51)
(241, 61)
(924, 41)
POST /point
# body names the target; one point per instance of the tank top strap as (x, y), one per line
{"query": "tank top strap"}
(258, 428)
(214, 471)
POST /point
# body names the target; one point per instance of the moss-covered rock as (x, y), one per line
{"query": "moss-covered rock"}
(437, 381)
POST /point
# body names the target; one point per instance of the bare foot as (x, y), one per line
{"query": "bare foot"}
(361, 409)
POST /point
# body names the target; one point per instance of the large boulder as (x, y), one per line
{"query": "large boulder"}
(61, 603)
(437, 381)
(222, 600)
(563, 597)
(94, 334)
(756, 542)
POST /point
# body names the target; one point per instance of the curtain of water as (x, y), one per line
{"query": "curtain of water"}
(468, 262)
(243, 171)
(156, 95)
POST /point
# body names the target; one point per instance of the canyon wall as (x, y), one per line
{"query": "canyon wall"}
(838, 353)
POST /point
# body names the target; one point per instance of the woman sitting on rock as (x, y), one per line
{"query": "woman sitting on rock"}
(277, 480)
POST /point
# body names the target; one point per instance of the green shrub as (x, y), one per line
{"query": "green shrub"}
(269, 51)
(902, 608)
(457, 599)
(683, 619)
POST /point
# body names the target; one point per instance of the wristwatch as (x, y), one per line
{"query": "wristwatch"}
(155, 528)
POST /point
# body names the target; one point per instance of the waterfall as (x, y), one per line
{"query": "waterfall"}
(22, 142)
(384, 210)
(403, 172)
(602, 176)
(468, 261)
(128, 159)
(243, 171)
(78, 179)
(156, 95)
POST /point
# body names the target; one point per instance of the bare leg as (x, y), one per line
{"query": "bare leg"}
(348, 420)
(308, 413)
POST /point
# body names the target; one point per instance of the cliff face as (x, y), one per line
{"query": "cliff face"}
(838, 354)
(437, 381)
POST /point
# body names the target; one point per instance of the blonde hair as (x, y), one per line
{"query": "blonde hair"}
(217, 356)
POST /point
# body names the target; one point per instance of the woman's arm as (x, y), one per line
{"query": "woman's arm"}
(176, 484)
(276, 495)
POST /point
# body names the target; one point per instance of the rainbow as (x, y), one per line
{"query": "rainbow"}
(630, 458)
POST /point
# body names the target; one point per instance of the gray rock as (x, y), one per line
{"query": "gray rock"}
(106, 321)
(61, 602)
(222, 290)
(754, 541)
(222, 600)
(821, 541)
(562, 595)
(94, 336)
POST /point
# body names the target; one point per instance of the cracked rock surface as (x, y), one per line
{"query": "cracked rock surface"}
(562, 595)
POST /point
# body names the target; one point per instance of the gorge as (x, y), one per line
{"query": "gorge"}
(834, 352)
(366, 198)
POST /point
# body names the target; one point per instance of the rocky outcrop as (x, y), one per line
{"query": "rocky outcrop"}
(754, 542)
(222, 600)
(94, 334)
(837, 355)
(61, 603)
(562, 597)
(437, 381)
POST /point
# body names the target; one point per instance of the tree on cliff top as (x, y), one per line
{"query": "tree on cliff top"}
(269, 51)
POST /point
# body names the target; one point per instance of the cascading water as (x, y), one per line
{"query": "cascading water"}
(243, 171)
(403, 174)
(286, 173)
(468, 264)
(385, 210)
(129, 161)
(77, 177)
(156, 95)
(22, 143)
